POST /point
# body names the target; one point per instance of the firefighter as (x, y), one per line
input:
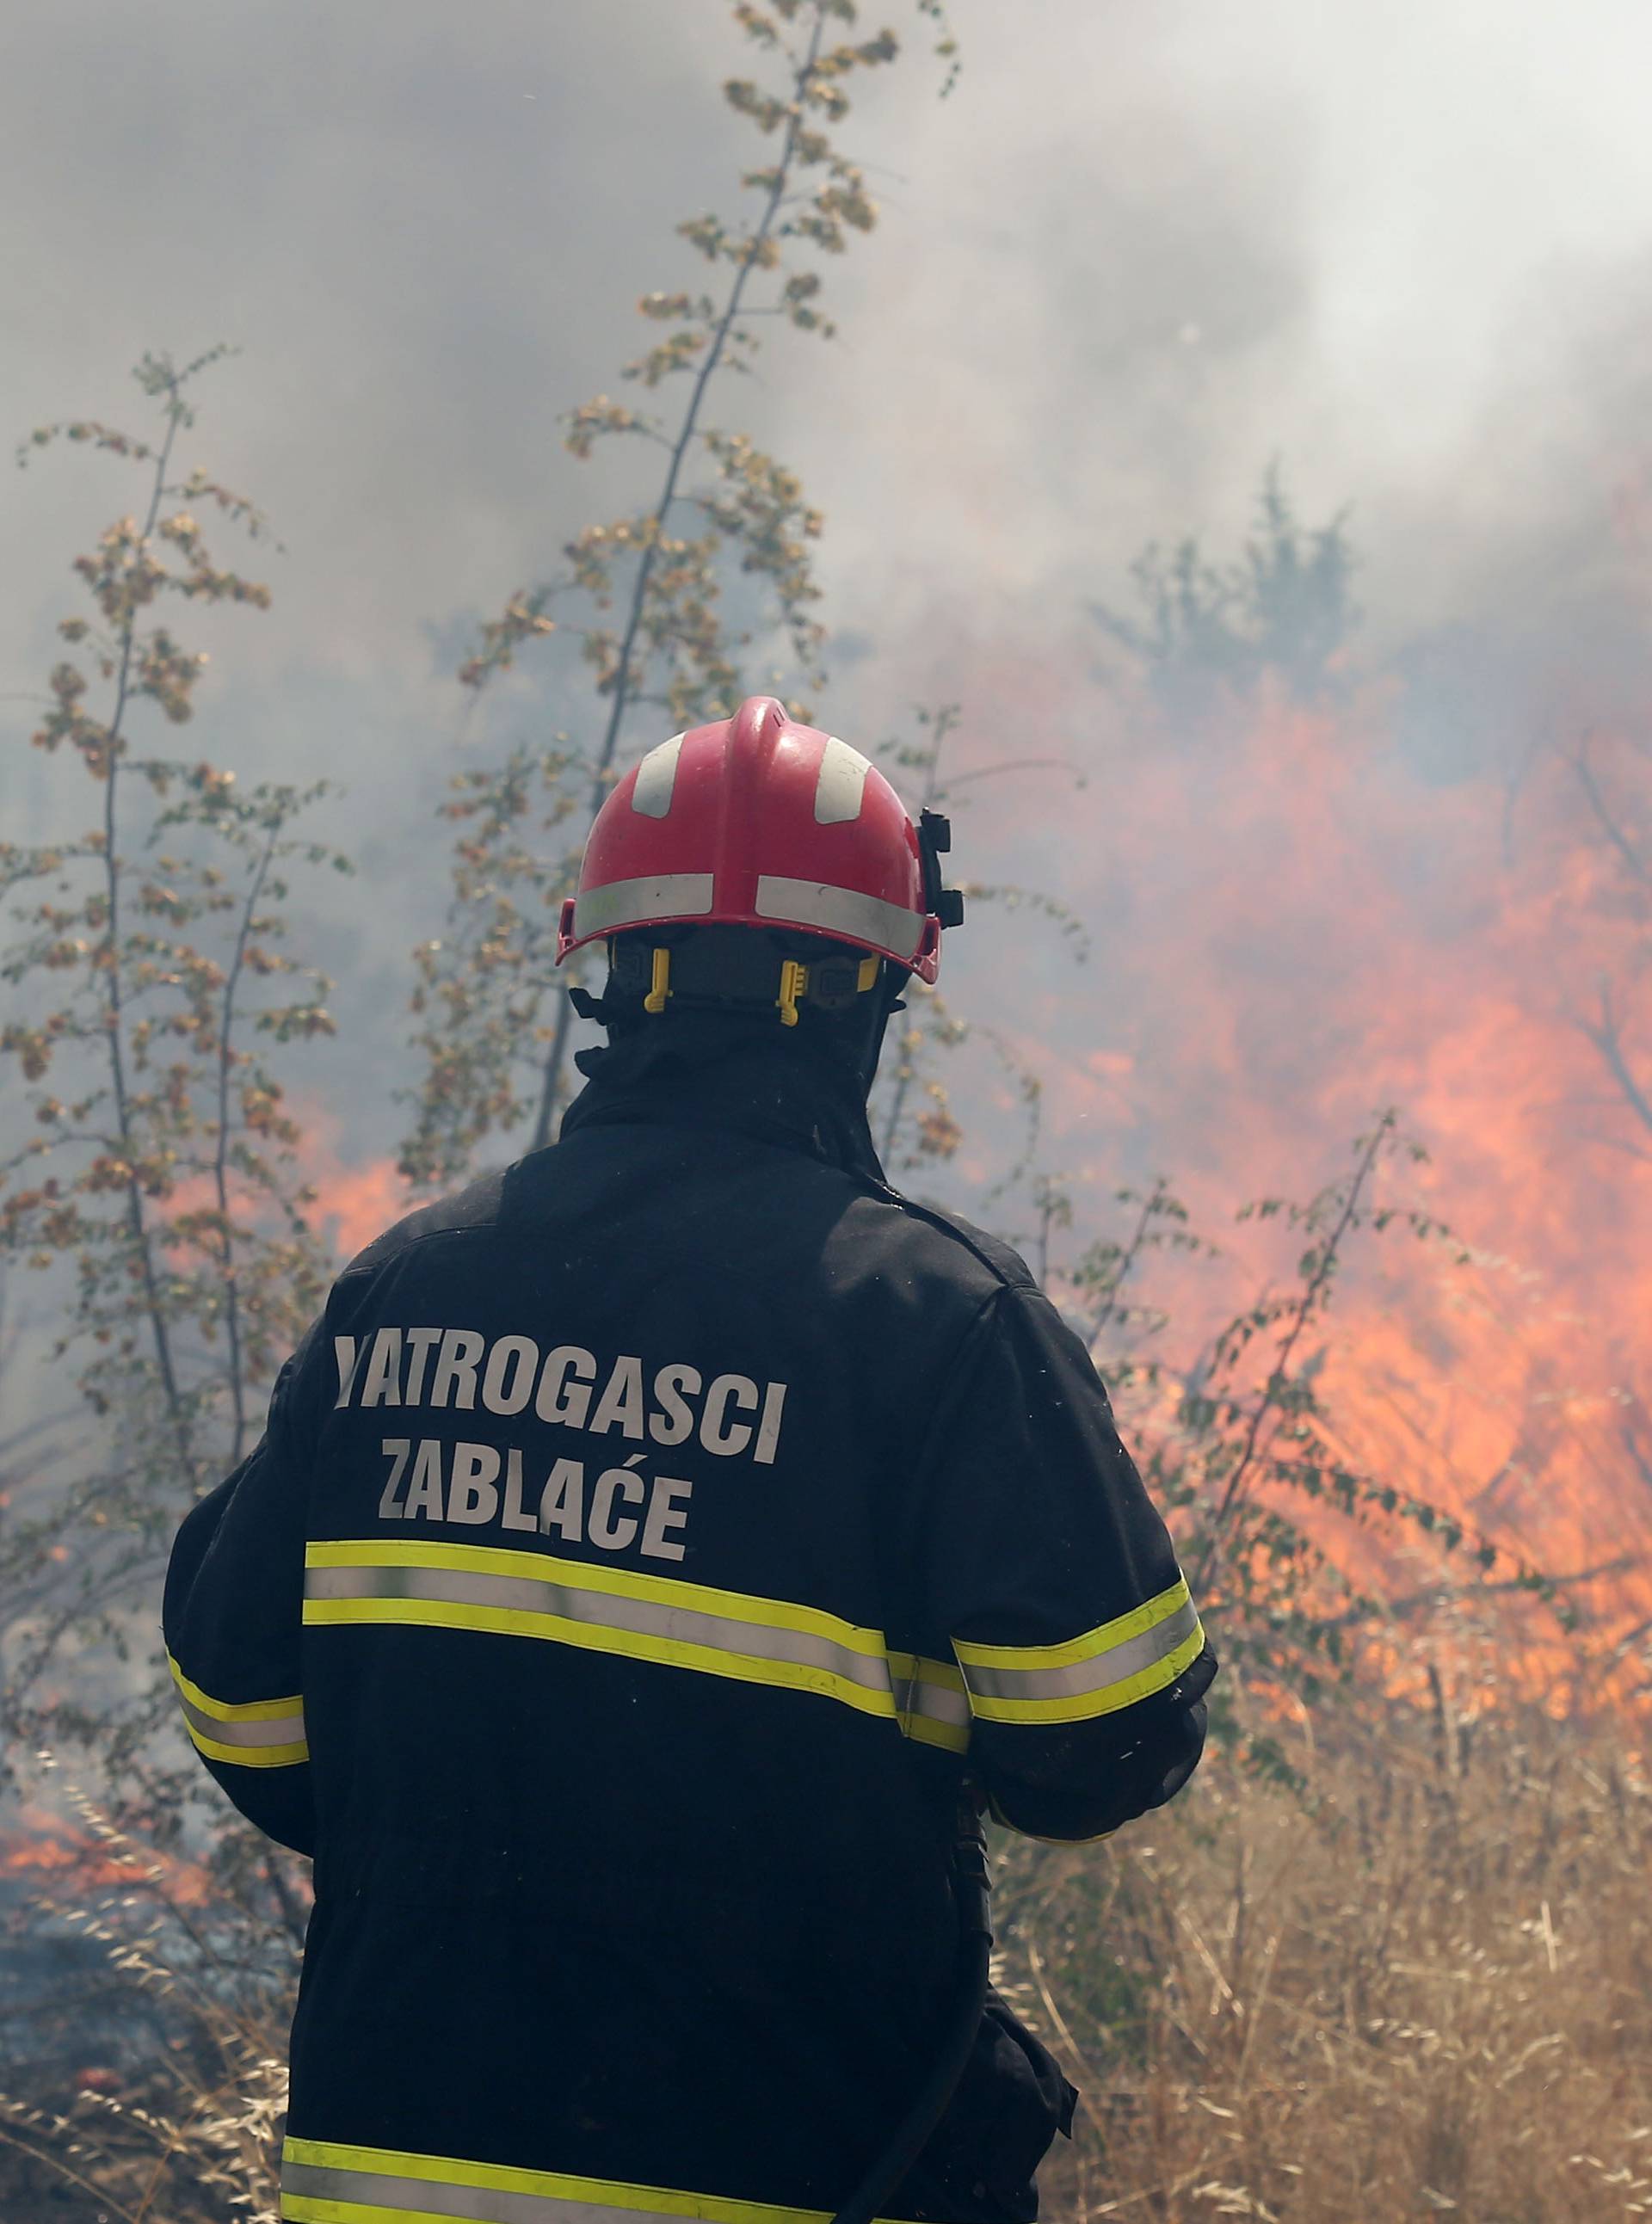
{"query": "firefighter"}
(644, 1547)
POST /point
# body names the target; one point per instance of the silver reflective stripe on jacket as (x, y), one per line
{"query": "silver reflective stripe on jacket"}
(277, 1730)
(326, 2184)
(1126, 1659)
(656, 1618)
(251, 1733)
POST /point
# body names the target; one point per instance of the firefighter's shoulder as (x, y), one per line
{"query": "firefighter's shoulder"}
(1003, 1263)
(477, 1205)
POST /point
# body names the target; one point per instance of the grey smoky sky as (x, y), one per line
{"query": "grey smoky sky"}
(1405, 245)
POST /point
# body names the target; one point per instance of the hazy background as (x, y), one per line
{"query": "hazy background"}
(1405, 248)
(1402, 247)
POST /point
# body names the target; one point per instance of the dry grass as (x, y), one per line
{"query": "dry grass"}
(1421, 1988)
(200, 2156)
(180, 2127)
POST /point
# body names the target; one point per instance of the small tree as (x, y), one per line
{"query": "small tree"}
(1250, 1467)
(912, 1113)
(1596, 793)
(155, 2083)
(154, 1176)
(1205, 631)
(644, 595)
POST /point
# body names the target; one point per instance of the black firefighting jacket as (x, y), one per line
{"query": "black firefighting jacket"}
(643, 1546)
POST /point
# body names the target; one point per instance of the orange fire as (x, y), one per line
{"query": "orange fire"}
(61, 1855)
(1296, 924)
(354, 1202)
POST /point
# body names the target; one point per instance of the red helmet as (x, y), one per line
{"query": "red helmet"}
(756, 821)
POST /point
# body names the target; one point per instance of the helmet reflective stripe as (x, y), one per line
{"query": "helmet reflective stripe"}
(669, 895)
(841, 786)
(841, 911)
(655, 778)
(759, 802)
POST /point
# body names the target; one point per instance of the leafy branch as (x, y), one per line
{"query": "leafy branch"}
(155, 1177)
(647, 593)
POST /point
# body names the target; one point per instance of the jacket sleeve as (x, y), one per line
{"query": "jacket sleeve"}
(1048, 1567)
(231, 1616)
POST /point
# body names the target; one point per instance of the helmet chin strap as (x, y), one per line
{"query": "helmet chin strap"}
(854, 1035)
(841, 996)
(885, 1001)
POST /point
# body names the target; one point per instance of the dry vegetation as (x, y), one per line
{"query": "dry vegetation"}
(173, 2114)
(1417, 1983)
(1421, 1985)
(1397, 1968)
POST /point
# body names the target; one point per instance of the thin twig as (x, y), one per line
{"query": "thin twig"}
(1035, 1962)
(1608, 1041)
(945, 719)
(220, 1156)
(1127, 1258)
(1302, 1313)
(622, 671)
(1609, 827)
(135, 1220)
(100, 2193)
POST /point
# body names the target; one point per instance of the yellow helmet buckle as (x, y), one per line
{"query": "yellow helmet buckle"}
(660, 985)
(793, 983)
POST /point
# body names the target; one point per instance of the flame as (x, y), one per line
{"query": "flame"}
(55, 1853)
(1300, 918)
(1300, 921)
(354, 1202)
(354, 1199)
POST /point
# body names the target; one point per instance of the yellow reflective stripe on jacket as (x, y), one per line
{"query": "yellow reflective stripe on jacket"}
(326, 2184)
(413, 1582)
(931, 1700)
(256, 1734)
(1124, 1660)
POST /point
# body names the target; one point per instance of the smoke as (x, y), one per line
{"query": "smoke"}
(1128, 260)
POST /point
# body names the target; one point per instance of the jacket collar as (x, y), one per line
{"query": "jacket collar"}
(712, 1071)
